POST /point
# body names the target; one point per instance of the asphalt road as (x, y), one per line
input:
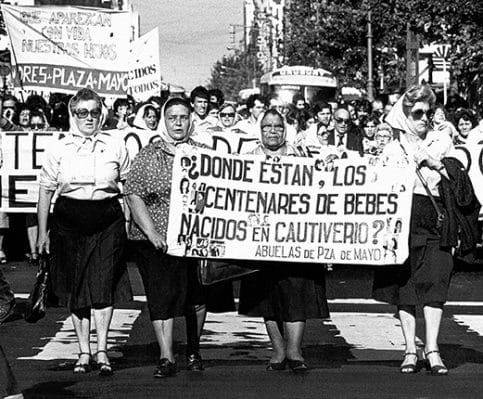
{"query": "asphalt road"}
(354, 354)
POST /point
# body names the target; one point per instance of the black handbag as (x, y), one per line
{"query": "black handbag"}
(38, 298)
(215, 271)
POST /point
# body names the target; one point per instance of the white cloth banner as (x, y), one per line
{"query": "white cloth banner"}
(22, 161)
(289, 209)
(65, 49)
(144, 67)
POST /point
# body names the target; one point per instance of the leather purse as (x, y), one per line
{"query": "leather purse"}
(39, 295)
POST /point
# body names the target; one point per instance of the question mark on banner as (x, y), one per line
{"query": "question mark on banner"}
(378, 225)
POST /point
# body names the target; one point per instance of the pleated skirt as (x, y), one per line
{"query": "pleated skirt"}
(88, 240)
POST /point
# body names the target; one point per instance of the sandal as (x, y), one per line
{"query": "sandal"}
(105, 369)
(83, 368)
(3, 258)
(438, 369)
(33, 258)
(409, 367)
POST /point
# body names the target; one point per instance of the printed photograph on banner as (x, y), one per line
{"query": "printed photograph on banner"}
(65, 49)
(319, 210)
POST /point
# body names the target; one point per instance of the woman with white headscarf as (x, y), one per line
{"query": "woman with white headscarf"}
(147, 117)
(87, 236)
(171, 285)
(443, 210)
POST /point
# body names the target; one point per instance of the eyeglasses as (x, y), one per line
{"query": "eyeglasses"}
(342, 120)
(227, 114)
(37, 125)
(268, 128)
(176, 118)
(84, 113)
(419, 113)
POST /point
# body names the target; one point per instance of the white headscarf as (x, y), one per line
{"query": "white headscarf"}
(74, 128)
(139, 121)
(162, 129)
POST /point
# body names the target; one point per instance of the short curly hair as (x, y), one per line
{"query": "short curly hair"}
(418, 93)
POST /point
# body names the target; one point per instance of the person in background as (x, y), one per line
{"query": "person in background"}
(285, 295)
(256, 106)
(439, 122)
(120, 113)
(216, 97)
(465, 121)
(299, 102)
(199, 99)
(383, 136)
(344, 134)
(369, 126)
(9, 107)
(87, 234)
(22, 118)
(147, 117)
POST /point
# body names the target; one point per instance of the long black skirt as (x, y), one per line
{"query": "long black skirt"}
(172, 286)
(285, 292)
(424, 278)
(88, 239)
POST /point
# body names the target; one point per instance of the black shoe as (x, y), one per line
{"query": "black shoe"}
(165, 369)
(438, 370)
(83, 368)
(408, 367)
(194, 362)
(277, 366)
(6, 311)
(298, 366)
(105, 368)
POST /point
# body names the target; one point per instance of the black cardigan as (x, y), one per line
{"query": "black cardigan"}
(461, 208)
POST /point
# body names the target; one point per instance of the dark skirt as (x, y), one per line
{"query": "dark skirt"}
(172, 286)
(424, 278)
(285, 292)
(88, 239)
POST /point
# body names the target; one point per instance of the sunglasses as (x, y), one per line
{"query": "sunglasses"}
(37, 125)
(341, 120)
(227, 114)
(84, 113)
(419, 113)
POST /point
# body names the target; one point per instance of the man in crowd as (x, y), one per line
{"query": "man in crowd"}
(344, 135)
(255, 105)
(199, 99)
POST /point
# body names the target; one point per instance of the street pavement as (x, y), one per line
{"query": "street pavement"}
(354, 354)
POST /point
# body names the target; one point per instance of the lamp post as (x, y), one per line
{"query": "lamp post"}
(370, 78)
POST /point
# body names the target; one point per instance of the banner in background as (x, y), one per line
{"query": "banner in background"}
(289, 209)
(65, 49)
(23, 154)
(144, 67)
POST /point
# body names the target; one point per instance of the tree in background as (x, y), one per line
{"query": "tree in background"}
(331, 34)
(234, 72)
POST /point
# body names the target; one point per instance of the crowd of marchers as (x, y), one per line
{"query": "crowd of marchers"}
(89, 168)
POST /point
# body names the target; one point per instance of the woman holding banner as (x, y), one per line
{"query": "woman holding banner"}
(441, 187)
(285, 295)
(87, 235)
(171, 283)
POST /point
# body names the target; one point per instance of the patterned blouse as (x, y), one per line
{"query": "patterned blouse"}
(150, 179)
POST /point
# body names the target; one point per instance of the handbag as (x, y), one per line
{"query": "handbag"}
(38, 297)
(215, 271)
